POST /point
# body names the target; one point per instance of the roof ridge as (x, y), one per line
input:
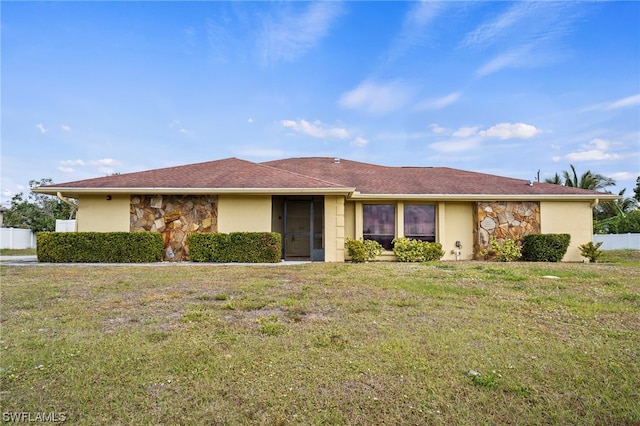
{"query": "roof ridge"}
(300, 174)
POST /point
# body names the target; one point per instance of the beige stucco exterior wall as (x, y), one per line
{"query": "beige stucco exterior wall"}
(454, 221)
(97, 214)
(244, 213)
(350, 219)
(334, 228)
(567, 217)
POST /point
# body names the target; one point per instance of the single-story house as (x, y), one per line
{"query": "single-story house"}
(315, 203)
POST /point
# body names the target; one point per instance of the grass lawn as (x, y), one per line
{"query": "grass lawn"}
(18, 252)
(377, 343)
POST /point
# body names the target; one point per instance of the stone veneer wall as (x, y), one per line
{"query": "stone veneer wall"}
(175, 216)
(506, 219)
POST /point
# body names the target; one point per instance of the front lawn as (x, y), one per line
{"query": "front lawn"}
(377, 343)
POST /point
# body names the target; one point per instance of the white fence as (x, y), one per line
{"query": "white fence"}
(65, 225)
(14, 238)
(618, 241)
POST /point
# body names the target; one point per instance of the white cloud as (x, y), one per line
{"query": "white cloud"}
(360, 141)
(218, 36)
(529, 33)
(316, 129)
(250, 120)
(103, 165)
(489, 31)
(624, 176)
(465, 132)
(292, 34)
(72, 163)
(65, 128)
(456, 145)
(511, 131)
(403, 136)
(41, 127)
(105, 162)
(7, 193)
(467, 138)
(556, 158)
(435, 128)
(176, 124)
(439, 103)
(596, 150)
(624, 102)
(591, 155)
(414, 26)
(515, 58)
(376, 98)
(629, 101)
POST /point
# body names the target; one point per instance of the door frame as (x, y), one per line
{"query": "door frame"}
(315, 254)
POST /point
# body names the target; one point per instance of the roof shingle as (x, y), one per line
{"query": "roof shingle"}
(375, 179)
(322, 173)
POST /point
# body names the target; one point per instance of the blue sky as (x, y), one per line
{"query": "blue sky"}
(508, 88)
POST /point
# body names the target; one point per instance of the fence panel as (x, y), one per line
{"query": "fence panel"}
(14, 238)
(65, 225)
(618, 241)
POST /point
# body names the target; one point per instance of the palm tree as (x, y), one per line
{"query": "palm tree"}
(615, 208)
(555, 180)
(588, 180)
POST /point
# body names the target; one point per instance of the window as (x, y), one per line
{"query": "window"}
(420, 222)
(379, 223)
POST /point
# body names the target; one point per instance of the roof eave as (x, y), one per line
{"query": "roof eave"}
(484, 197)
(70, 191)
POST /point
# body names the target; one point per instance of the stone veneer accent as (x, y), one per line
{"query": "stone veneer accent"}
(175, 216)
(510, 219)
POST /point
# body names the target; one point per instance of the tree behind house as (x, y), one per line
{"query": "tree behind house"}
(37, 212)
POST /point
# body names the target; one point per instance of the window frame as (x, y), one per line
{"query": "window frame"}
(430, 237)
(384, 238)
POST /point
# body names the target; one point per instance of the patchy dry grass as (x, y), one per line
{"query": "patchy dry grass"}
(17, 252)
(377, 343)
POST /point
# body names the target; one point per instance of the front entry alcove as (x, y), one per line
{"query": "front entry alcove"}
(300, 220)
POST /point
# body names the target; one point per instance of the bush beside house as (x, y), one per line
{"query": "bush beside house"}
(410, 250)
(99, 247)
(242, 247)
(545, 247)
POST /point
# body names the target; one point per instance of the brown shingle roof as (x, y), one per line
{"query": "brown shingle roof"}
(227, 173)
(322, 174)
(374, 179)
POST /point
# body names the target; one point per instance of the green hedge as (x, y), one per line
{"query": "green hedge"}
(243, 247)
(410, 250)
(99, 247)
(545, 247)
(363, 250)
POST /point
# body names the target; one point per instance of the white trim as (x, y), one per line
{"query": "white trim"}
(484, 197)
(351, 193)
(193, 191)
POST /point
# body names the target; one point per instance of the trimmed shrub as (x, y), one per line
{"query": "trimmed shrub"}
(209, 247)
(545, 247)
(410, 250)
(242, 247)
(507, 251)
(99, 247)
(591, 251)
(363, 250)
